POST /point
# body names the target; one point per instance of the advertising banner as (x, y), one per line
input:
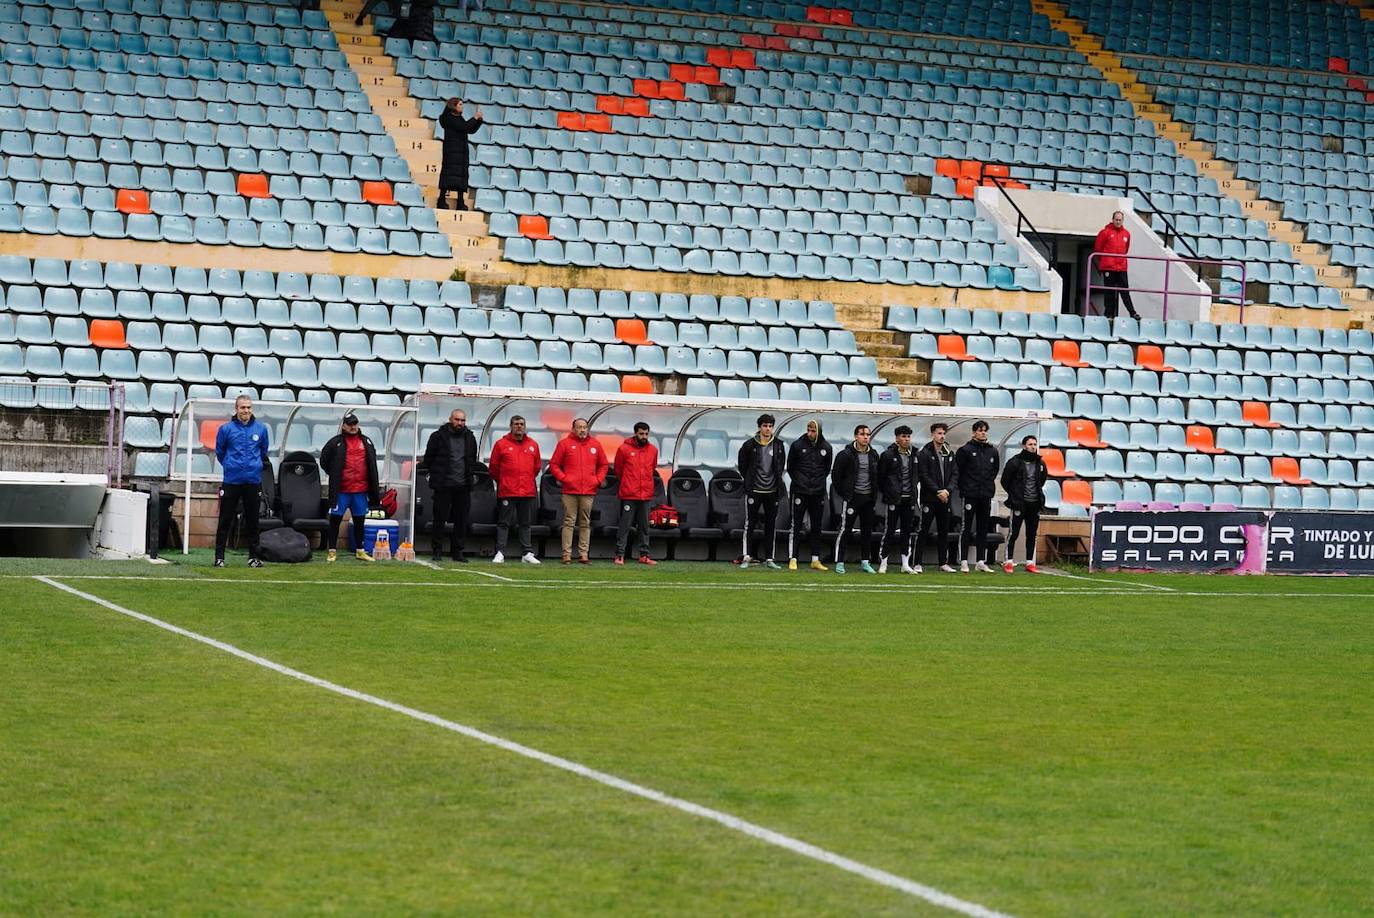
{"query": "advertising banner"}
(1179, 541)
(1309, 542)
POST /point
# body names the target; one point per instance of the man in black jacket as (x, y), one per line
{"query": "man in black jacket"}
(977, 462)
(450, 460)
(808, 465)
(855, 480)
(762, 462)
(939, 478)
(897, 478)
(350, 461)
(1024, 481)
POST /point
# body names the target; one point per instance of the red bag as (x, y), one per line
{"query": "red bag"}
(664, 516)
(388, 503)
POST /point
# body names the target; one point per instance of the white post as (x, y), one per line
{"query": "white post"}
(186, 498)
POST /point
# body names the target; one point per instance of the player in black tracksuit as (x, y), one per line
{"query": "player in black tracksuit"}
(762, 462)
(898, 479)
(1024, 481)
(939, 478)
(977, 462)
(808, 466)
(855, 480)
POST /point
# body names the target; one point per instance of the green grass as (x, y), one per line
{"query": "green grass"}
(1035, 745)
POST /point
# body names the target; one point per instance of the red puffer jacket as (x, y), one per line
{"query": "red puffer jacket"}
(514, 466)
(636, 466)
(579, 465)
(1112, 241)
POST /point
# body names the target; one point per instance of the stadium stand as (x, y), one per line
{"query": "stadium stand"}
(216, 123)
(712, 145)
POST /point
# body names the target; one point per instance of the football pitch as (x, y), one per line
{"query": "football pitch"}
(396, 738)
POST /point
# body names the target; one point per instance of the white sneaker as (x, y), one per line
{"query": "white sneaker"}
(882, 566)
(945, 568)
(916, 569)
(907, 568)
(498, 558)
(528, 558)
(982, 568)
(963, 567)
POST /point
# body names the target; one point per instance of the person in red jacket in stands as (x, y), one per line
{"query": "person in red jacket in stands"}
(636, 465)
(514, 466)
(579, 464)
(1114, 241)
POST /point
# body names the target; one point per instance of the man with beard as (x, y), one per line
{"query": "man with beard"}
(808, 465)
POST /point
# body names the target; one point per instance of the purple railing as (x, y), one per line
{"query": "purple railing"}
(1089, 286)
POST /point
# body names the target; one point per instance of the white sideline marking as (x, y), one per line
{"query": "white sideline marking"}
(1055, 572)
(653, 584)
(796, 846)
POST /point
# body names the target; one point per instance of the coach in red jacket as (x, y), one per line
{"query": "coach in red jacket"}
(1114, 241)
(514, 467)
(579, 464)
(636, 465)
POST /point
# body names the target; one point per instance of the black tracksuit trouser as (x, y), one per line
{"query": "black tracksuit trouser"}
(812, 508)
(450, 504)
(232, 497)
(977, 525)
(761, 511)
(860, 509)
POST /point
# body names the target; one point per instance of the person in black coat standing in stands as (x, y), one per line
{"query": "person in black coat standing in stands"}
(453, 174)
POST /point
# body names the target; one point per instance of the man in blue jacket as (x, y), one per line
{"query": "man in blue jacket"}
(241, 447)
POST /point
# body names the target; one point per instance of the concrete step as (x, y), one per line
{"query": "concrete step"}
(1356, 296)
(1305, 250)
(865, 336)
(860, 316)
(1335, 276)
(902, 370)
(922, 395)
(884, 350)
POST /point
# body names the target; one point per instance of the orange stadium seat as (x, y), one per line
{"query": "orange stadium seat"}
(1338, 65)
(952, 347)
(685, 73)
(1066, 352)
(718, 57)
(108, 333)
(841, 17)
(965, 187)
(947, 167)
(378, 193)
(132, 201)
(818, 14)
(1200, 438)
(1151, 357)
(209, 427)
(639, 107)
(647, 88)
(1257, 413)
(573, 121)
(599, 123)
(1084, 433)
(1286, 469)
(534, 226)
(631, 331)
(639, 385)
(1077, 491)
(1054, 462)
(742, 59)
(708, 75)
(253, 185)
(670, 90)
(997, 170)
(611, 105)
(971, 169)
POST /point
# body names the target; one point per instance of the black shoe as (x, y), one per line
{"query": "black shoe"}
(254, 562)
(436, 557)
(461, 559)
(219, 562)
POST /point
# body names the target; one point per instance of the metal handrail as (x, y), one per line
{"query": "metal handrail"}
(1088, 284)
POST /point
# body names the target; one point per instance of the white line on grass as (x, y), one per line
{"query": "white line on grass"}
(1054, 572)
(875, 589)
(653, 583)
(753, 830)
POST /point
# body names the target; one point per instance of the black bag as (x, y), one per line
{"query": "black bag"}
(284, 546)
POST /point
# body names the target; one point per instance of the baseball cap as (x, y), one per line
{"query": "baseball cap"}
(350, 418)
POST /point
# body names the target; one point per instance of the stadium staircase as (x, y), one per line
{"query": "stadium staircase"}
(476, 254)
(1312, 254)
